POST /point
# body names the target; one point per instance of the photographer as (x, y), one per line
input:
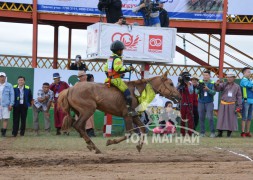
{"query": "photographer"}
(78, 65)
(112, 8)
(150, 12)
(185, 88)
(163, 16)
(205, 105)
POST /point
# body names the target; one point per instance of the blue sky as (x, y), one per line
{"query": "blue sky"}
(19, 42)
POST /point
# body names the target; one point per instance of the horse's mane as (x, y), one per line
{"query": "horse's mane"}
(140, 81)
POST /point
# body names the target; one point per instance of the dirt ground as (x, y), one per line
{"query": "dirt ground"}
(51, 157)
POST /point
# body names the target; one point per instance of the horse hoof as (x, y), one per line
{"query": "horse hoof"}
(138, 147)
(90, 148)
(109, 142)
(98, 151)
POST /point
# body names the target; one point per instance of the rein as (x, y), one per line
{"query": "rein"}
(159, 90)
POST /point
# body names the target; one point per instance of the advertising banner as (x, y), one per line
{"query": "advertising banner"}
(243, 7)
(68, 6)
(142, 43)
(177, 9)
(66, 75)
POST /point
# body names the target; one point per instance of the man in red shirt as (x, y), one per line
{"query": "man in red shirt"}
(185, 88)
(57, 87)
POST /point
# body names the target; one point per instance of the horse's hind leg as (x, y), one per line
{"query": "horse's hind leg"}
(129, 131)
(137, 121)
(79, 125)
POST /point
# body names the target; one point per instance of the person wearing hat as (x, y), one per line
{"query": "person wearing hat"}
(78, 65)
(58, 86)
(114, 68)
(231, 103)
(82, 76)
(6, 102)
(247, 105)
(195, 81)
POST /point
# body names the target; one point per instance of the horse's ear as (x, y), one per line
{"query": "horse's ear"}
(164, 76)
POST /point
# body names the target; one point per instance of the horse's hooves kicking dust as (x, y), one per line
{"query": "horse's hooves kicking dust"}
(138, 147)
(108, 143)
(98, 151)
(89, 147)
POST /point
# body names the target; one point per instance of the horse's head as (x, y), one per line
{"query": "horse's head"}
(165, 87)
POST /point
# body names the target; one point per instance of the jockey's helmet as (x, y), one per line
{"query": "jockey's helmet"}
(117, 45)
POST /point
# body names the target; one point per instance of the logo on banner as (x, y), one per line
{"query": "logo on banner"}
(130, 41)
(155, 43)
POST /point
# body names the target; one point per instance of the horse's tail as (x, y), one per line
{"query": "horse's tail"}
(63, 103)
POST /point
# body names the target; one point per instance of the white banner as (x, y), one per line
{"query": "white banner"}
(242, 7)
(142, 43)
(177, 9)
(46, 75)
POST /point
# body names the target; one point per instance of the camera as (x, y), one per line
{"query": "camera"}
(183, 78)
(201, 85)
(151, 6)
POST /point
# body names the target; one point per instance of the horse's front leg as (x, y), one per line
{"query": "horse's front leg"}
(137, 121)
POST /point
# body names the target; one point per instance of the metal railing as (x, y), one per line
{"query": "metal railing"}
(233, 56)
(16, 7)
(239, 19)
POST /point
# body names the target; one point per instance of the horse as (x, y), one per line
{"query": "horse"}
(85, 97)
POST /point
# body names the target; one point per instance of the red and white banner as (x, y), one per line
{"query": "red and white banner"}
(142, 43)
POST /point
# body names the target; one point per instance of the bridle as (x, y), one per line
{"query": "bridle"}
(160, 90)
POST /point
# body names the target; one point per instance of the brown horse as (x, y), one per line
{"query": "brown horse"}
(85, 97)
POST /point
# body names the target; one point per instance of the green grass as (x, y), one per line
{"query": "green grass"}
(75, 143)
(99, 122)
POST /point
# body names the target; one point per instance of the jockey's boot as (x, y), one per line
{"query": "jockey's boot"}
(128, 98)
(131, 111)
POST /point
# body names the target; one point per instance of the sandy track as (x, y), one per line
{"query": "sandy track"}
(118, 163)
